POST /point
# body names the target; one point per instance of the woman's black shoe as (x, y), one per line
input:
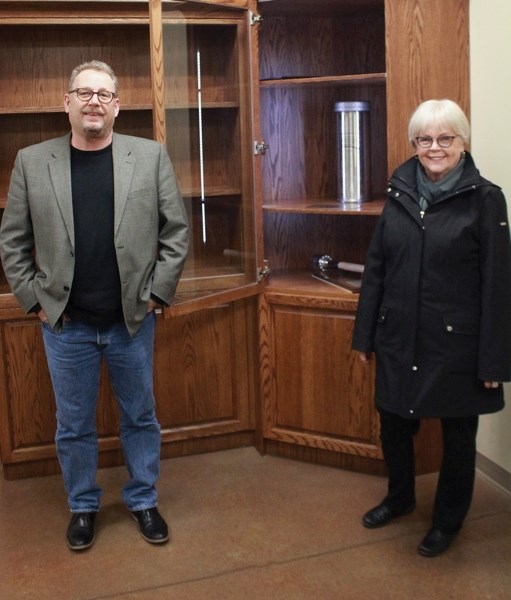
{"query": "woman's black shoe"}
(80, 532)
(435, 542)
(382, 514)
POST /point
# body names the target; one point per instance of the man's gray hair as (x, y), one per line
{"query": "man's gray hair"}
(96, 65)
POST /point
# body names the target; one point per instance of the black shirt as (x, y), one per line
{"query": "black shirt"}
(96, 291)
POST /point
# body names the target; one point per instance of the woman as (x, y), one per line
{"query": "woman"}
(435, 309)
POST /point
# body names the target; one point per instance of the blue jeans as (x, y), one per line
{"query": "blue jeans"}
(74, 358)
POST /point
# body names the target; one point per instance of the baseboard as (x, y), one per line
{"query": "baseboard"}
(492, 471)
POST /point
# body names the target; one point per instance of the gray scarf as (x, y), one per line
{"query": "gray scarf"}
(431, 191)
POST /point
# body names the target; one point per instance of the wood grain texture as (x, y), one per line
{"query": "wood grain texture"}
(301, 131)
(157, 69)
(316, 392)
(427, 57)
(335, 45)
(291, 240)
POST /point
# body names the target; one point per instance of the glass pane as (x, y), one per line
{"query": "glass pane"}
(209, 141)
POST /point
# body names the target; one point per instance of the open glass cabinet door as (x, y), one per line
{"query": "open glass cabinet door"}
(201, 85)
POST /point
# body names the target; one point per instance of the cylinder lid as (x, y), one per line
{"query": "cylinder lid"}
(351, 106)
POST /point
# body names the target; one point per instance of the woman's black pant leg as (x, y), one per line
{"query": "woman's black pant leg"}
(456, 479)
(396, 436)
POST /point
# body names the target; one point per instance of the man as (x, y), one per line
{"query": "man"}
(93, 238)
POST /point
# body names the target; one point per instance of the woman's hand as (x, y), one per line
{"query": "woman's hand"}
(491, 384)
(365, 357)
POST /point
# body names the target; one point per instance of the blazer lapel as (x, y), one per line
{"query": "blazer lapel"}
(60, 175)
(124, 164)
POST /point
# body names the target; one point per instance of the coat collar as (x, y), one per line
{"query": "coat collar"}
(403, 186)
(124, 165)
(404, 177)
(60, 175)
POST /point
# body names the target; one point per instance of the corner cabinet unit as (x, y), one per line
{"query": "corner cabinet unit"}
(391, 54)
(242, 93)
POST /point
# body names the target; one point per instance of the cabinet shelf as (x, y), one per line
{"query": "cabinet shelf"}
(324, 207)
(194, 194)
(335, 80)
(204, 105)
(38, 110)
(80, 12)
(305, 289)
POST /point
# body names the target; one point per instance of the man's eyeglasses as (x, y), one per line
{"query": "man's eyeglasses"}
(84, 94)
(444, 141)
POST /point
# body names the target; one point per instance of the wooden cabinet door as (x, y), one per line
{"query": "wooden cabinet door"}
(201, 60)
(316, 392)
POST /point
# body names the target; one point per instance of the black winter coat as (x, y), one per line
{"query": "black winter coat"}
(435, 303)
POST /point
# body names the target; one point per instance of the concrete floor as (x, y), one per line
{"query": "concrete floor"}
(245, 526)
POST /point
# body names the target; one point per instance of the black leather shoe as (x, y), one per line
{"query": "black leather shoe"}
(382, 515)
(435, 542)
(152, 525)
(80, 532)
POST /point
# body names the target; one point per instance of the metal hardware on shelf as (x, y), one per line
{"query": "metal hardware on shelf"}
(322, 262)
(263, 271)
(255, 19)
(260, 147)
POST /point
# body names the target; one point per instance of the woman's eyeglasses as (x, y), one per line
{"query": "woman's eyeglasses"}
(444, 141)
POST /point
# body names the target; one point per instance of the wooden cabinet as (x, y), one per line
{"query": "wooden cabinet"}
(246, 109)
(392, 54)
(183, 72)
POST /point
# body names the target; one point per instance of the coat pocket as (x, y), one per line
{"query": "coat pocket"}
(461, 326)
(387, 338)
(461, 344)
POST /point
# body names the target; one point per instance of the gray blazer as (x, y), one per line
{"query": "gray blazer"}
(37, 232)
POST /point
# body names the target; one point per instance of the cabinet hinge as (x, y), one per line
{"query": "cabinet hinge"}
(255, 19)
(260, 147)
(263, 271)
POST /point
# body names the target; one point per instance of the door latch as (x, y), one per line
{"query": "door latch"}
(260, 147)
(263, 271)
(255, 19)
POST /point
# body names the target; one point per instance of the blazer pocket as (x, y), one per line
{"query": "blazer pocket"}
(142, 193)
(142, 211)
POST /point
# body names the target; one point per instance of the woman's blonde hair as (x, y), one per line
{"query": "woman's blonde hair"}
(443, 113)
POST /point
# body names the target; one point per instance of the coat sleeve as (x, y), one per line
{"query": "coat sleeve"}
(173, 233)
(495, 264)
(17, 240)
(371, 292)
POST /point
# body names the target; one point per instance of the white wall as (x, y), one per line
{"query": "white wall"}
(490, 88)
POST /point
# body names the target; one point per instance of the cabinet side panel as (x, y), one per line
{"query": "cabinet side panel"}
(427, 57)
